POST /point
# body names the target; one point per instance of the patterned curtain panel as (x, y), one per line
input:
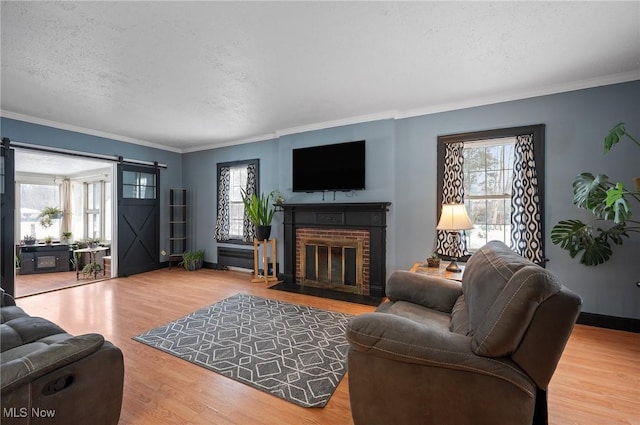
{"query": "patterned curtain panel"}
(526, 234)
(248, 229)
(222, 221)
(452, 193)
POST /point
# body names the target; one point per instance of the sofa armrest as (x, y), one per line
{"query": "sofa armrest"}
(40, 362)
(6, 299)
(404, 340)
(429, 291)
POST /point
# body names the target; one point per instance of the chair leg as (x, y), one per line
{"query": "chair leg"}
(541, 414)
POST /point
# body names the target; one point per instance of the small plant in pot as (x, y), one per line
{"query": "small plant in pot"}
(434, 260)
(91, 269)
(192, 260)
(66, 237)
(260, 212)
(29, 239)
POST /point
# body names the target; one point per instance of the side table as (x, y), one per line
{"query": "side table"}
(266, 277)
(421, 267)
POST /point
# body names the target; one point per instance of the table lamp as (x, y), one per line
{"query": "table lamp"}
(453, 219)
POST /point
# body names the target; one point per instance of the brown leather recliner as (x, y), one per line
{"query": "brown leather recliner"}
(48, 376)
(480, 352)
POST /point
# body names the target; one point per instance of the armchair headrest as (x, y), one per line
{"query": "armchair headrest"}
(503, 291)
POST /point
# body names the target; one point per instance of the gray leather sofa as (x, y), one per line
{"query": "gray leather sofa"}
(48, 376)
(479, 352)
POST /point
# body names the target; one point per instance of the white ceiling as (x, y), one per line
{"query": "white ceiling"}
(191, 75)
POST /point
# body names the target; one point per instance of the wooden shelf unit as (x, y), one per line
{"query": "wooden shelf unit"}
(177, 224)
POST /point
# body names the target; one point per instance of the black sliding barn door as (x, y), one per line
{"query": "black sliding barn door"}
(138, 219)
(7, 218)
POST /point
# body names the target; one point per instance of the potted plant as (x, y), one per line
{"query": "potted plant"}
(192, 260)
(48, 240)
(48, 214)
(91, 269)
(260, 212)
(434, 260)
(29, 239)
(278, 199)
(66, 237)
(92, 242)
(608, 202)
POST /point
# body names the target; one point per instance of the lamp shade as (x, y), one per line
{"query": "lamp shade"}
(454, 217)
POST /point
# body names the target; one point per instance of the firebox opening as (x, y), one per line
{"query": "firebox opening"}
(332, 263)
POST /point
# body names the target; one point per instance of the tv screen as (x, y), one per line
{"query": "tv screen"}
(338, 167)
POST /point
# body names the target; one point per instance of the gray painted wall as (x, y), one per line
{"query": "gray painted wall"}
(21, 131)
(576, 123)
(401, 169)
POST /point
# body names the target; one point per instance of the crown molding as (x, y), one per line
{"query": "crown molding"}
(253, 139)
(525, 94)
(388, 115)
(297, 130)
(84, 130)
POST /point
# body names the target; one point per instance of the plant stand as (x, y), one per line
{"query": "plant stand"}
(92, 260)
(266, 278)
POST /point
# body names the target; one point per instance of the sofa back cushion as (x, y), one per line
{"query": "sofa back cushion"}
(502, 291)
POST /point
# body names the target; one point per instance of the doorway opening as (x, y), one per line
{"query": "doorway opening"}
(64, 221)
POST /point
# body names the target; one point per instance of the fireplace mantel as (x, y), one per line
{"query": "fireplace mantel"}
(370, 216)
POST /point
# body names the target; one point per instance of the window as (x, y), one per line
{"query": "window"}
(488, 174)
(232, 223)
(33, 198)
(237, 183)
(499, 175)
(137, 185)
(91, 210)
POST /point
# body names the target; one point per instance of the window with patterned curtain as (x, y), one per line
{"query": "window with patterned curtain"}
(232, 222)
(499, 175)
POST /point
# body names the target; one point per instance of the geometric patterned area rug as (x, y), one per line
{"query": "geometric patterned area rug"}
(295, 352)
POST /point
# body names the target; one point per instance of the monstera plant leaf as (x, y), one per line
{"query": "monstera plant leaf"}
(590, 191)
(576, 236)
(614, 136)
(616, 201)
(601, 197)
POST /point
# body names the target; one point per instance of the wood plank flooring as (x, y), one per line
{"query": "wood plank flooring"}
(38, 283)
(597, 381)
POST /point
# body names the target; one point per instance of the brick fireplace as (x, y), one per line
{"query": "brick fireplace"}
(336, 247)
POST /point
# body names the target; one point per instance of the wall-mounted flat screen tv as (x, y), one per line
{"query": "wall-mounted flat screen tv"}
(337, 167)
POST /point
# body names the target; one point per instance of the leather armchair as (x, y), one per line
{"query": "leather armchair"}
(478, 352)
(51, 377)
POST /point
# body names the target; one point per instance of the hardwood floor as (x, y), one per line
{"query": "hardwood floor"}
(597, 381)
(31, 284)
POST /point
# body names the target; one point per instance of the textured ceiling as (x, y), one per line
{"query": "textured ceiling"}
(189, 75)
